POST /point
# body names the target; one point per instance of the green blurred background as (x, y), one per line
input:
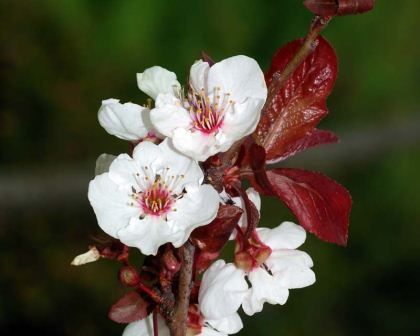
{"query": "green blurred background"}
(59, 59)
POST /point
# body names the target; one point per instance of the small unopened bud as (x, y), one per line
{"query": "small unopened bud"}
(170, 262)
(128, 276)
(88, 257)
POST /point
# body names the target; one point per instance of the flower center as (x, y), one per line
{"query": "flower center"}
(156, 200)
(208, 114)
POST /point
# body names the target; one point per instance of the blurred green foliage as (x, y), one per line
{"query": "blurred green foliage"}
(59, 59)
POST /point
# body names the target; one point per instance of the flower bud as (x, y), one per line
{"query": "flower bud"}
(170, 262)
(338, 7)
(128, 276)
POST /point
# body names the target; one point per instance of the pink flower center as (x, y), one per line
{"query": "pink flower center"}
(156, 194)
(208, 114)
(156, 200)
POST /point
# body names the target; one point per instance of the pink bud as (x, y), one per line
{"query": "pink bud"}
(128, 276)
(170, 262)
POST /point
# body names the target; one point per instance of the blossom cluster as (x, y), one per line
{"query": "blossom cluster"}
(158, 195)
(178, 195)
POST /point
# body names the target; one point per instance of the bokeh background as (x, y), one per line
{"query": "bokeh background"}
(59, 59)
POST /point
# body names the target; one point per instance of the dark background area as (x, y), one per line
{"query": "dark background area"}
(59, 59)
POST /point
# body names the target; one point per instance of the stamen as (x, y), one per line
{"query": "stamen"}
(207, 114)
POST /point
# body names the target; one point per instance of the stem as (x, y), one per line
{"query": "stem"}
(178, 321)
(279, 79)
(150, 292)
(155, 324)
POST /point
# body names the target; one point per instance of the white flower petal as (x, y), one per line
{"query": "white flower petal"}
(126, 121)
(222, 290)
(148, 154)
(149, 234)
(110, 204)
(285, 236)
(103, 162)
(241, 76)
(87, 257)
(144, 327)
(265, 288)
(156, 80)
(180, 165)
(242, 119)
(196, 208)
(209, 331)
(292, 268)
(198, 75)
(229, 325)
(197, 145)
(169, 115)
(123, 171)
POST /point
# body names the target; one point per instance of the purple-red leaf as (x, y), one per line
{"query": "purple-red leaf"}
(321, 205)
(315, 138)
(338, 7)
(301, 102)
(131, 307)
(211, 238)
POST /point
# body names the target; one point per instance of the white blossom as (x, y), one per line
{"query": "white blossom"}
(222, 105)
(152, 198)
(222, 291)
(284, 269)
(156, 80)
(144, 327)
(126, 121)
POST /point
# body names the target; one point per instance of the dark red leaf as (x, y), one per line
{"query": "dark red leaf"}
(301, 102)
(321, 205)
(338, 7)
(315, 138)
(322, 7)
(211, 238)
(131, 307)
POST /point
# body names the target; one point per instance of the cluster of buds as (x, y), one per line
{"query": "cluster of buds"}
(178, 194)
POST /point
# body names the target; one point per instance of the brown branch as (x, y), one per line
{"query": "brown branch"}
(178, 321)
(279, 79)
